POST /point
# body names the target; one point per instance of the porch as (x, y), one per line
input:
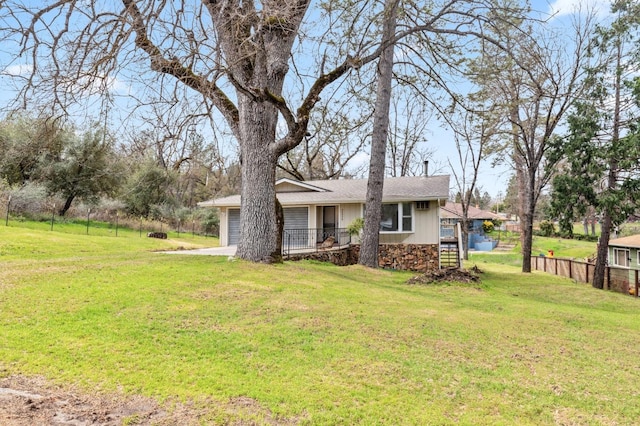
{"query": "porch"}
(305, 240)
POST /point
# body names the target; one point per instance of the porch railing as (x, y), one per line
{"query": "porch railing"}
(314, 239)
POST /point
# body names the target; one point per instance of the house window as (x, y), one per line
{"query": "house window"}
(397, 218)
(621, 257)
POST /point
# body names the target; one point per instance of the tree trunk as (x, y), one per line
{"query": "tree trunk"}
(605, 229)
(373, 211)
(277, 254)
(601, 254)
(464, 223)
(67, 205)
(258, 227)
(527, 222)
(612, 181)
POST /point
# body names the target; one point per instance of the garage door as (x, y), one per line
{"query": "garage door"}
(233, 231)
(296, 223)
(294, 218)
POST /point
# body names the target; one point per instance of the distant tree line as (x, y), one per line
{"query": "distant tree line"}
(46, 165)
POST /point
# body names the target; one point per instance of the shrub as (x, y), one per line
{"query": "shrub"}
(547, 229)
(487, 226)
(30, 200)
(209, 220)
(356, 226)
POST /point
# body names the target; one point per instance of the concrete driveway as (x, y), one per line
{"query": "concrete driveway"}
(211, 251)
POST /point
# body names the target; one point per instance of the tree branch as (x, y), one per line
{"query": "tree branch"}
(174, 68)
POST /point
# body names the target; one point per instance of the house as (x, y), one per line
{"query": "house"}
(317, 210)
(452, 214)
(625, 253)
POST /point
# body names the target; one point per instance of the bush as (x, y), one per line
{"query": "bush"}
(29, 200)
(547, 229)
(209, 220)
(582, 237)
(487, 226)
(356, 226)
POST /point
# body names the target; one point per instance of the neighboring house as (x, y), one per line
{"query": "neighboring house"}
(625, 253)
(451, 214)
(316, 210)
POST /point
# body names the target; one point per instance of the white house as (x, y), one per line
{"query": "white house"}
(624, 253)
(411, 208)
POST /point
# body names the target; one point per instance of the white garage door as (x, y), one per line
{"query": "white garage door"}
(233, 230)
(296, 223)
(294, 218)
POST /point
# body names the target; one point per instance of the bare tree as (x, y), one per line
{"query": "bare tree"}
(410, 120)
(229, 58)
(335, 137)
(373, 212)
(534, 82)
(472, 133)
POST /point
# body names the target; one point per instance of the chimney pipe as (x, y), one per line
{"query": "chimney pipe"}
(425, 168)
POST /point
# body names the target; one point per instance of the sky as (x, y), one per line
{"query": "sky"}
(492, 179)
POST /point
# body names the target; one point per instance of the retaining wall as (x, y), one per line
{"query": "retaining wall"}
(403, 257)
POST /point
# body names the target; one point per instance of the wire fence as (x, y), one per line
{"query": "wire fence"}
(107, 221)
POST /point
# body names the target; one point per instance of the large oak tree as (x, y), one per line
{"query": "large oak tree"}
(230, 58)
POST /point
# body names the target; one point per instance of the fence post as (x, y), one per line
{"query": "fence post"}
(570, 269)
(6, 221)
(88, 218)
(53, 213)
(637, 283)
(116, 223)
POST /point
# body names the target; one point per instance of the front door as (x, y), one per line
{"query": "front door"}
(329, 222)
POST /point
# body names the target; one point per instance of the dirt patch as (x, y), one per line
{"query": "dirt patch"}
(449, 275)
(33, 401)
(27, 401)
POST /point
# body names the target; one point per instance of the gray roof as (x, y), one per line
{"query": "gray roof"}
(454, 211)
(341, 191)
(632, 241)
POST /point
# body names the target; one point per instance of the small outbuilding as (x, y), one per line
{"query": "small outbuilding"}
(625, 253)
(451, 214)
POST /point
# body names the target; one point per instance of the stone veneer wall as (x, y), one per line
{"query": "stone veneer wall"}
(403, 257)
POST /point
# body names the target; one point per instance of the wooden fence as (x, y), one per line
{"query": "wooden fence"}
(617, 279)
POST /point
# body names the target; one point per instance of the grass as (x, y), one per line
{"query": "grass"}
(568, 249)
(311, 342)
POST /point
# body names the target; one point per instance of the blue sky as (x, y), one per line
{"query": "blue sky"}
(492, 180)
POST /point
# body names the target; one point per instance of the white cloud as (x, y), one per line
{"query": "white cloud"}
(99, 85)
(17, 70)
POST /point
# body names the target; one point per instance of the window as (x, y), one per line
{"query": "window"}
(422, 205)
(621, 257)
(397, 218)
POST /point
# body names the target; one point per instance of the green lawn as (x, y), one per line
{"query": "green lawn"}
(314, 343)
